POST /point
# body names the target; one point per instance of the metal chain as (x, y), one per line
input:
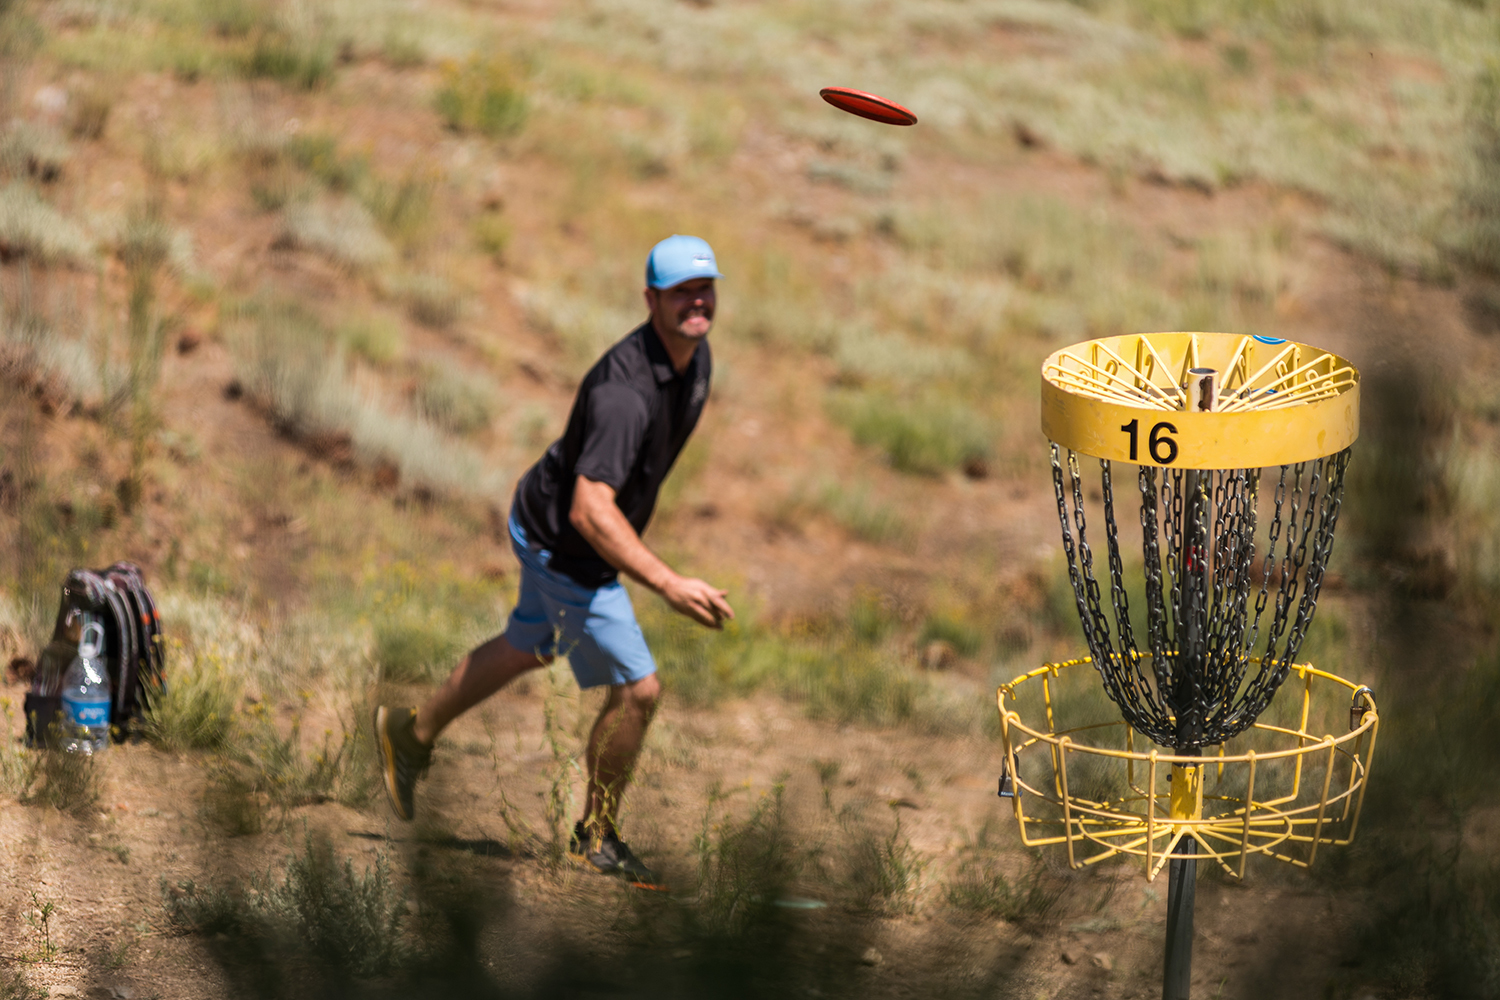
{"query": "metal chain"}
(1156, 617)
(1119, 599)
(1211, 549)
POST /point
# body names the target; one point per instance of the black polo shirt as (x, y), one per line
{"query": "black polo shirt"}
(632, 415)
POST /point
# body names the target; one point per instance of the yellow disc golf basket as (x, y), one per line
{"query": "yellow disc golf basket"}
(1238, 446)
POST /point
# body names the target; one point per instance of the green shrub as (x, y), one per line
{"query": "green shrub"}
(320, 908)
(864, 516)
(492, 235)
(927, 437)
(377, 339)
(965, 638)
(458, 400)
(410, 649)
(288, 57)
(403, 207)
(482, 95)
(402, 50)
(233, 18)
(318, 154)
(197, 710)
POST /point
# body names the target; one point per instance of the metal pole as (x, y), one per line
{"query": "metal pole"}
(1182, 880)
(1201, 391)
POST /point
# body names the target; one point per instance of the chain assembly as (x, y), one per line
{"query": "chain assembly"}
(1193, 685)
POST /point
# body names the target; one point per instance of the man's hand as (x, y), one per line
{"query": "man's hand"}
(600, 522)
(698, 599)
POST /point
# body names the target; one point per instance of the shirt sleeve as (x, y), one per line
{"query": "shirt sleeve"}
(615, 425)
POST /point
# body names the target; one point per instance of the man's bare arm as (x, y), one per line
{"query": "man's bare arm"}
(598, 519)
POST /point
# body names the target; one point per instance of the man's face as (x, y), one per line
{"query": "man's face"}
(686, 309)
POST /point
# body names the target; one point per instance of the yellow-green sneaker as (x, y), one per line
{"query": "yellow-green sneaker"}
(403, 758)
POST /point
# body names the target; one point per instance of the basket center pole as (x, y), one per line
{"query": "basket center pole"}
(1201, 392)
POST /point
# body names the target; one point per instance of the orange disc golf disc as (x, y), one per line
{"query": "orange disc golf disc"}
(870, 106)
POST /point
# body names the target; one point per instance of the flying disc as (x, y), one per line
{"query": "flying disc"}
(870, 106)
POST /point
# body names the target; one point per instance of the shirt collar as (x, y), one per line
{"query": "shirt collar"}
(658, 358)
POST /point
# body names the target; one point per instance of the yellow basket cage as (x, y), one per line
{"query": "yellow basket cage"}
(1300, 791)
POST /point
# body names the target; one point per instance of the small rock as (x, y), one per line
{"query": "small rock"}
(122, 992)
(872, 956)
(1070, 956)
(64, 991)
(1103, 961)
(188, 341)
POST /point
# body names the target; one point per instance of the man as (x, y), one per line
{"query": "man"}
(575, 525)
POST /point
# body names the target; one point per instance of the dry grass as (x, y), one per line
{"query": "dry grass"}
(31, 228)
(460, 400)
(307, 391)
(341, 230)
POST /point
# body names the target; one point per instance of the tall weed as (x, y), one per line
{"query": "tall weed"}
(882, 873)
(1031, 899)
(746, 865)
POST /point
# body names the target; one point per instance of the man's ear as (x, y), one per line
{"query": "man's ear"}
(651, 297)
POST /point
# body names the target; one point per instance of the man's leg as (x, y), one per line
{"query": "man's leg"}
(403, 736)
(614, 746)
(478, 675)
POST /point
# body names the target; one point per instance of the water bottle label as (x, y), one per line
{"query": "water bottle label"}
(90, 714)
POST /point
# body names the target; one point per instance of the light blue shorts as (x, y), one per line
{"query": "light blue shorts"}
(557, 616)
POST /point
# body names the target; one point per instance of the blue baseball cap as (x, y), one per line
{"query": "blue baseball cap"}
(680, 258)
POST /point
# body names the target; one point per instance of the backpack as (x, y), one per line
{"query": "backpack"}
(134, 654)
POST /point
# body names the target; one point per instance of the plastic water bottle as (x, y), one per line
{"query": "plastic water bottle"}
(86, 695)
